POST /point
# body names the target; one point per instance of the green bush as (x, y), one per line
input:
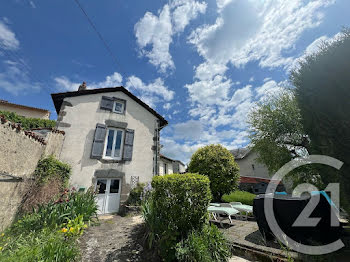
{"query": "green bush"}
(219, 165)
(28, 123)
(178, 204)
(42, 245)
(69, 206)
(135, 195)
(244, 197)
(205, 245)
(51, 167)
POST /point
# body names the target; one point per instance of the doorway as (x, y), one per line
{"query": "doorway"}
(108, 195)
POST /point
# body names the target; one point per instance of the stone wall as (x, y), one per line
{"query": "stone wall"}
(20, 152)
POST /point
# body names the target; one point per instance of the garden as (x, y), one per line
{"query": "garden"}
(50, 231)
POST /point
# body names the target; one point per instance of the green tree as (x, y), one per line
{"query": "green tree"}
(322, 89)
(219, 165)
(278, 136)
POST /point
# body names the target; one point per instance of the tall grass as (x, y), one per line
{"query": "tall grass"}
(244, 197)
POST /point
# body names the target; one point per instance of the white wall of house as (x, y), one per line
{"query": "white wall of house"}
(169, 165)
(83, 116)
(249, 166)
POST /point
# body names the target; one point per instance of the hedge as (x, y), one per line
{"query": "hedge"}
(28, 123)
(180, 203)
(244, 197)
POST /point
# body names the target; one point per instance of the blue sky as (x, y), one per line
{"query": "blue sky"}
(201, 64)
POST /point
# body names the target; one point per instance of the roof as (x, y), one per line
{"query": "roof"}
(170, 159)
(240, 153)
(59, 97)
(257, 180)
(23, 106)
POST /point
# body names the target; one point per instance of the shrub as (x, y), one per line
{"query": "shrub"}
(219, 165)
(244, 197)
(205, 245)
(51, 167)
(178, 204)
(69, 206)
(43, 245)
(135, 195)
(28, 122)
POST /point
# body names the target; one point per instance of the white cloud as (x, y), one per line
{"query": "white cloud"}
(154, 33)
(185, 11)
(63, 83)
(248, 30)
(191, 129)
(157, 87)
(15, 79)
(167, 106)
(8, 39)
(268, 89)
(251, 79)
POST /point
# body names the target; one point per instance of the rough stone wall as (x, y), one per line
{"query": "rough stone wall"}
(19, 155)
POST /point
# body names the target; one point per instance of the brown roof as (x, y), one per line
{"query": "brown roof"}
(59, 97)
(23, 106)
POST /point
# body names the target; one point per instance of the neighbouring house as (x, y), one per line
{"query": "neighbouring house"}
(167, 165)
(254, 176)
(26, 111)
(111, 141)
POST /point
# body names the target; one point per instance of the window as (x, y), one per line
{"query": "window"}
(114, 144)
(165, 168)
(119, 106)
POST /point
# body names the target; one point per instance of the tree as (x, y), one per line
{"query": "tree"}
(278, 136)
(219, 165)
(322, 90)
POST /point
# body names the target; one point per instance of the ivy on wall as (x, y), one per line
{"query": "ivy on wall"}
(28, 123)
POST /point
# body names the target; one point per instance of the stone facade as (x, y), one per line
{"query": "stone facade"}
(79, 116)
(25, 111)
(19, 155)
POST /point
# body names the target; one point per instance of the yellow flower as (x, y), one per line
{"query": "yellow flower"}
(3, 234)
(0, 248)
(64, 230)
(71, 229)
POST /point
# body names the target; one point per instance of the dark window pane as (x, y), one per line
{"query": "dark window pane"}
(118, 107)
(109, 142)
(101, 186)
(114, 186)
(118, 143)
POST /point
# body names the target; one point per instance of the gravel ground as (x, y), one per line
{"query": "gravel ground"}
(116, 238)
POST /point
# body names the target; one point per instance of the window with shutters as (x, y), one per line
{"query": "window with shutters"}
(118, 107)
(114, 144)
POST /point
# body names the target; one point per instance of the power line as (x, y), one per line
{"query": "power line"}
(109, 50)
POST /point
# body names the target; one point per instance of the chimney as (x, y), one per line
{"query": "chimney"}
(82, 87)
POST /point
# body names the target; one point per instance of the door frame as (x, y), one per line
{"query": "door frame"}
(107, 192)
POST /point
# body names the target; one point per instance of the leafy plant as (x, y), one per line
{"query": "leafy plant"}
(74, 227)
(217, 163)
(42, 245)
(244, 197)
(204, 245)
(178, 204)
(28, 123)
(51, 167)
(135, 195)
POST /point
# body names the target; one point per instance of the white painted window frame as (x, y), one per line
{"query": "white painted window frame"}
(113, 144)
(123, 106)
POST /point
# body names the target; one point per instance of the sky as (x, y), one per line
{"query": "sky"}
(203, 65)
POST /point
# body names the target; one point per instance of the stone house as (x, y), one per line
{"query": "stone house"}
(167, 165)
(26, 111)
(111, 141)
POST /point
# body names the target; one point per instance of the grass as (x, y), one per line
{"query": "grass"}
(244, 197)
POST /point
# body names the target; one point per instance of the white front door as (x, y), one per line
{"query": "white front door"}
(108, 195)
